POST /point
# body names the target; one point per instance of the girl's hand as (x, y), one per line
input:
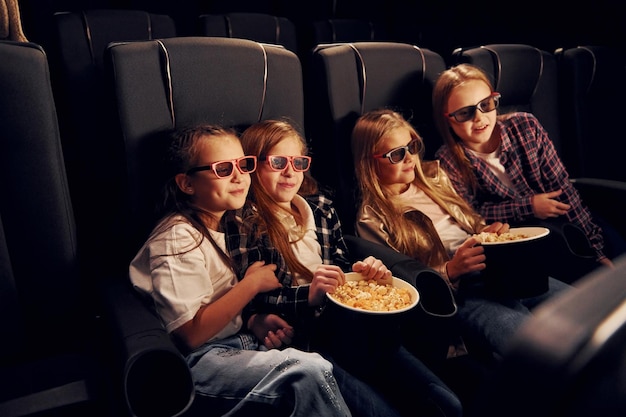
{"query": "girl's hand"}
(545, 205)
(373, 268)
(497, 227)
(326, 279)
(469, 257)
(271, 330)
(607, 262)
(262, 276)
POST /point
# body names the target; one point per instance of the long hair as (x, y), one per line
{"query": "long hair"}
(446, 83)
(257, 140)
(367, 134)
(183, 154)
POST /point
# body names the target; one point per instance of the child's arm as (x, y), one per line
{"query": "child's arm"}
(212, 318)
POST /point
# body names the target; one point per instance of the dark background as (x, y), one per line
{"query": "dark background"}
(437, 25)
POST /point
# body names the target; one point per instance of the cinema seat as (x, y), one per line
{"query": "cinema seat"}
(258, 27)
(92, 147)
(349, 79)
(64, 351)
(588, 88)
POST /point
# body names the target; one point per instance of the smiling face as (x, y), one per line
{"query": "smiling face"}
(207, 191)
(395, 177)
(476, 133)
(282, 186)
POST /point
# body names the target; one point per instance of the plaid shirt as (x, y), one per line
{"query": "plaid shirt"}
(289, 301)
(534, 167)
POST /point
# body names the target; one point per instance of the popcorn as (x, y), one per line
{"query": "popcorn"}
(487, 237)
(369, 295)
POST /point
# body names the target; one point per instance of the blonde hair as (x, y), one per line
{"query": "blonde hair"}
(257, 140)
(446, 83)
(367, 134)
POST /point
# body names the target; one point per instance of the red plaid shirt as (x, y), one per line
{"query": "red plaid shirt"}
(532, 164)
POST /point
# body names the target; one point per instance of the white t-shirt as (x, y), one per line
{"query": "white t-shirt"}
(307, 250)
(180, 280)
(450, 233)
(493, 162)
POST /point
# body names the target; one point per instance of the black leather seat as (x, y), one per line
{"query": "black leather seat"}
(589, 89)
(345, 30)
(72, 345)
(49, 361)
(258, 27)
(92, 146)
(349, 79)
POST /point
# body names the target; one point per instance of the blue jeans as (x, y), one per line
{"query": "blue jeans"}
(361, 398)
(492, 321)
(238, 379)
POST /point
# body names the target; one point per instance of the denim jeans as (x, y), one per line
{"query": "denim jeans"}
(492, 321)
(240, 378)
(361, 398)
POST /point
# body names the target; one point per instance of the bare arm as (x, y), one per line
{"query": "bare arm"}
(212, 318)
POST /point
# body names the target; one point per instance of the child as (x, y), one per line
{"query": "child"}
(297, 228)
(183, 268)
(506, 167)
(411, 206)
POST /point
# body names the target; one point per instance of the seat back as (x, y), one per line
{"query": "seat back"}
(172, 83)
(93, 148)
(344, 30)
(45, 361)
(339, 30)
(35, 209)
(348, 80)
(590, 88)
(525, 76)
(258, 27)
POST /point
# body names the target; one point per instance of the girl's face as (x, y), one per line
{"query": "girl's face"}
(395, 177)
(476, 133)
(208, 191)
(282, 186)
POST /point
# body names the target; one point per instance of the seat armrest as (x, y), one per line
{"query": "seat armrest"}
(606, 198)
(436, 297)
(155, 377)
(618, 186)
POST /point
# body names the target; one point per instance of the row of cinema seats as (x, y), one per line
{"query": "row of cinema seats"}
(280, 30)
(567, 91)
(154, 85)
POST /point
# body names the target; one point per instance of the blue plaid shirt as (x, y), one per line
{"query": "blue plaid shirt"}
(533, 166)
(290, 302)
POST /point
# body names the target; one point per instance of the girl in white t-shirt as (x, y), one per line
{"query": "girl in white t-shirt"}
(185, 272)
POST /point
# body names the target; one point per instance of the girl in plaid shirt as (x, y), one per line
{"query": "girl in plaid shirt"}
(288, 223)
(506, 167)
